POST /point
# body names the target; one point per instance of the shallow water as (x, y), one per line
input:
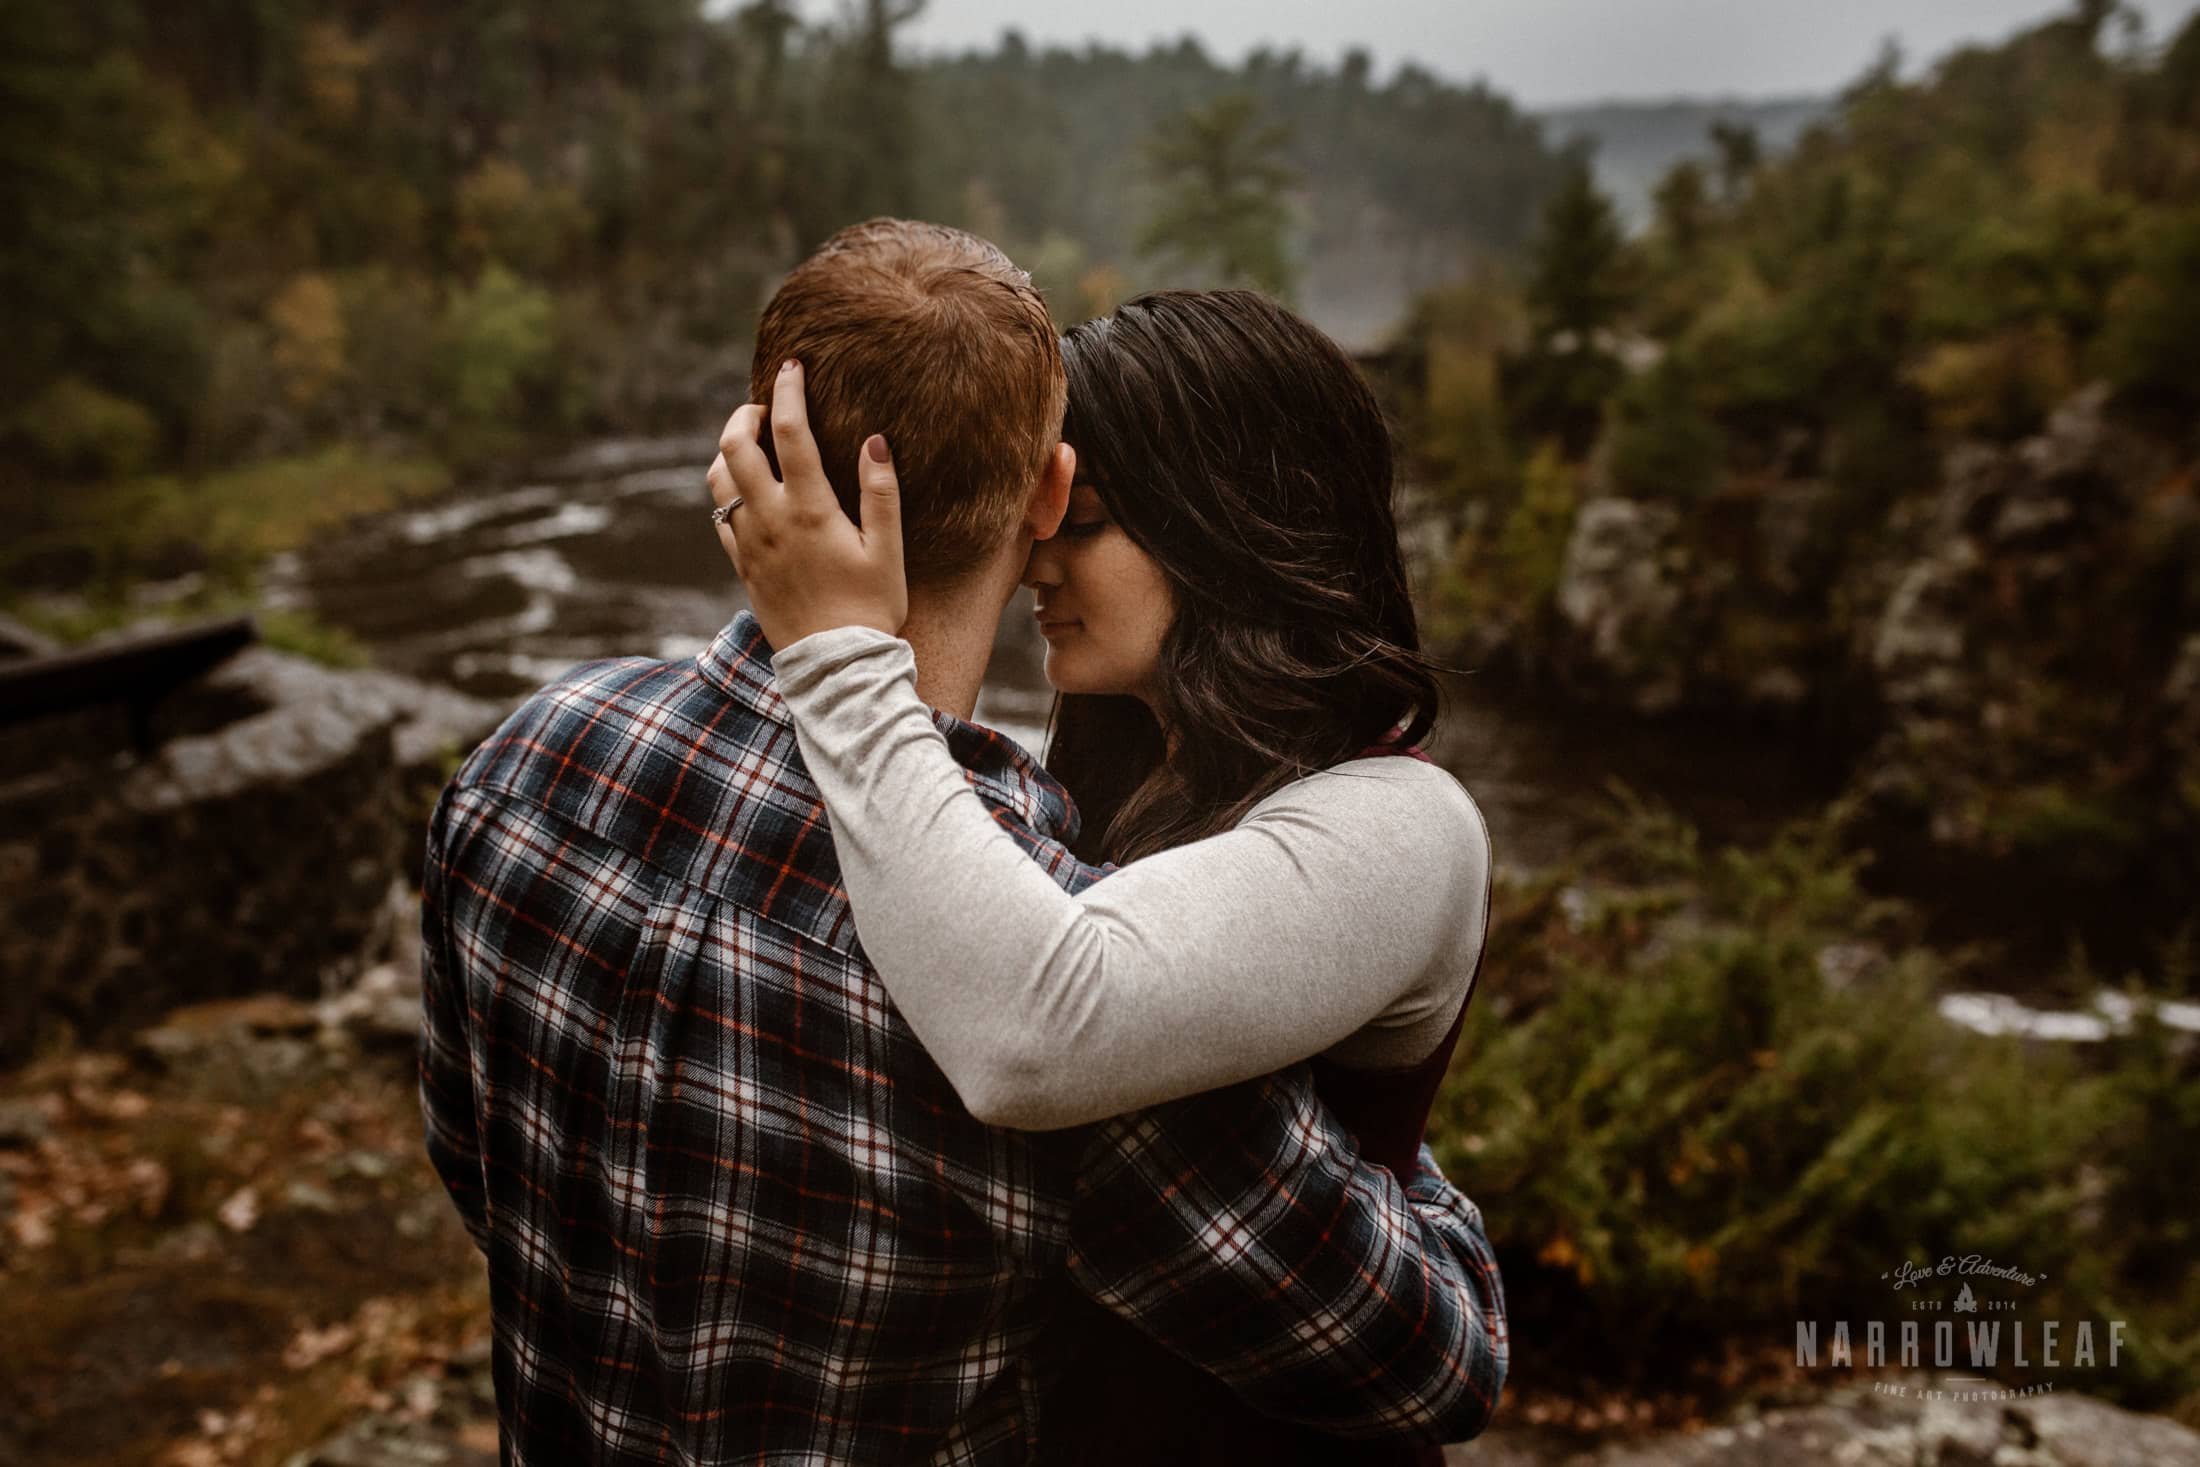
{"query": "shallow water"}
(499, 588)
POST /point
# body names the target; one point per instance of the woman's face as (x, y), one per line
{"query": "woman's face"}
(1103, 603)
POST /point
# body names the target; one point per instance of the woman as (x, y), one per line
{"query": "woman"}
(1227, 621)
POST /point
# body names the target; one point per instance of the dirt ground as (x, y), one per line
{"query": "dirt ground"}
(225, 1245)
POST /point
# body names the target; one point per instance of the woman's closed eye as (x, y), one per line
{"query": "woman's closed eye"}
(1087, 515)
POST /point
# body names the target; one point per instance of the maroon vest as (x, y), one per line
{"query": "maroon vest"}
(1123, 1399)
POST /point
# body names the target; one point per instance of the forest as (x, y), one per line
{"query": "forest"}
(1889, 444)
(1868, 432)
(253, 229)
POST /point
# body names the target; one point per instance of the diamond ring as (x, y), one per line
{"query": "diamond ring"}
(724, 512)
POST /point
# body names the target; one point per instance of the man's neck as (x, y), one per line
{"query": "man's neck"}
(952, 636)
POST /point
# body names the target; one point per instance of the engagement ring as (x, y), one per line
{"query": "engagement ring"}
(724, 512)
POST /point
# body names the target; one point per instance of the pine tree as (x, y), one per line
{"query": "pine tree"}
(1222, 204)
(1576, 288)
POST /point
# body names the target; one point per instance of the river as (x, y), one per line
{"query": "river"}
(607, 551)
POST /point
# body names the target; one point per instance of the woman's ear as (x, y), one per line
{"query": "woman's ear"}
(1050, 496)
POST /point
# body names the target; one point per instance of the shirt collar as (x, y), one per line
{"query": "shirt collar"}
(738, 662)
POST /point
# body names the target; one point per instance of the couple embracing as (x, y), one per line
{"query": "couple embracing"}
(827, 1082)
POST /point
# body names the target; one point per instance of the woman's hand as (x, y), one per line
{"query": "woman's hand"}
(806, 567)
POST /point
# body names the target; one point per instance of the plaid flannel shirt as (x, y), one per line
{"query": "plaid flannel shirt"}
(731, 1209)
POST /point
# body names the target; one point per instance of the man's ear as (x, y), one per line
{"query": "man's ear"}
(1050, 496)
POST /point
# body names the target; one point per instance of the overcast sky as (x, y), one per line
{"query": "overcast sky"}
(1540, 52)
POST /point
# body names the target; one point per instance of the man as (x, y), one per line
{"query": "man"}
(732, 1210)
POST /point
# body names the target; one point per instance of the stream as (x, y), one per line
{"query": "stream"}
(607, 551)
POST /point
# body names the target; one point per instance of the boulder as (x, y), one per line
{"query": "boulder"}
(252, 852)
(1964, 1425)
(1621, 590)
(1794, 550)
(19, 639)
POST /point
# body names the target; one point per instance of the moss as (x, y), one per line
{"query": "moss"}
(289, 630)
(221, 528)
(2088, 831)
(223, 524)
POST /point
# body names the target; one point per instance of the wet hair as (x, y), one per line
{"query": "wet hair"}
(1240, 448)
(932, 337)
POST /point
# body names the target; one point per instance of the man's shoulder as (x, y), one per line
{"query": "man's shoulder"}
(1024, 799)
(590, 706)
(654, 759)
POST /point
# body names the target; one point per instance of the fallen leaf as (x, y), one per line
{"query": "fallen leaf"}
(241, 1211)
(310, 1346)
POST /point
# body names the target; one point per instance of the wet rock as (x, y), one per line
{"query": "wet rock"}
(1621, 591)
(253, 852)
(382, 1011)
(2033, 518)
(1855, 1427)
(1844, 964)
(191, 1036)
(306, 1197)
(1794, 546)
(1778, 688)
(23, 1123)
(1920, 636)
(371, 1165)
(2081, 445)
(387, 1442)
(631, 455)
(2181, 689)
(425, 716)
(18, 639)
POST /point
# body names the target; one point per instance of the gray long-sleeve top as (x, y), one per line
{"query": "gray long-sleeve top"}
(1342, 916)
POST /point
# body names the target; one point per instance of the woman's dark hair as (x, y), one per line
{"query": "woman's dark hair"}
(1240, 448)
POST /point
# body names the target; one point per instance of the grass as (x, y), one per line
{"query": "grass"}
(220, 527)
(234, 517)
(150, 1310)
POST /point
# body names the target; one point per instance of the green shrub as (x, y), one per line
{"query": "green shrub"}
(1531, 546)
(496, 346)
(1660, 444)
(390, 325)
(308, 636)
(2146, 344)
(224, 524)
(2003, 386)
(290, 631)
(73, 427)
(1696, 1139)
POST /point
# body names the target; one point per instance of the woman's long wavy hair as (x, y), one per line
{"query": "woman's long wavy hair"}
(1241, 449)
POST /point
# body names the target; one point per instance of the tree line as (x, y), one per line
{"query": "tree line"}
(245, 228)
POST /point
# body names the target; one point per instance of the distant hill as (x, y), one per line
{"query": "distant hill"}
(1638, 141)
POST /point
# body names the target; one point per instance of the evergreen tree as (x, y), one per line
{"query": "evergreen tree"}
(1576, 292)
(1221, 191)
(1740, 152)
(1576, 287)
(1682, 202)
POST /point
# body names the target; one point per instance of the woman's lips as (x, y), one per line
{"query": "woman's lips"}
(1054, 626)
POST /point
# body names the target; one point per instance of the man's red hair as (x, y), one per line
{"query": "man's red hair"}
(932, 337)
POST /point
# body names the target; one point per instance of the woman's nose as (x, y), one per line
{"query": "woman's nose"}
(1044, 567)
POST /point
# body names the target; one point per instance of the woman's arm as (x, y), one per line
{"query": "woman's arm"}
(1205, 965)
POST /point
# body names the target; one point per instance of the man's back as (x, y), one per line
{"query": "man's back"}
(732, 1210)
